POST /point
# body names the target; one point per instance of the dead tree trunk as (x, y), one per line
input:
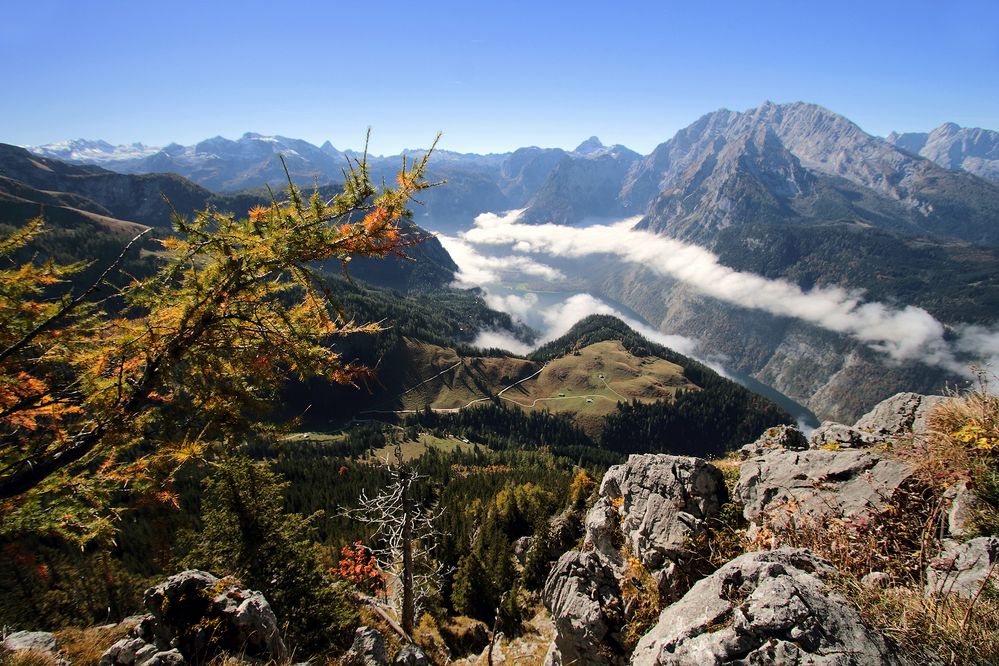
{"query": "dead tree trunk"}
(408, 593)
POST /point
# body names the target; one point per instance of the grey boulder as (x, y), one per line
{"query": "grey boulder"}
(368, 648)
(903, 414)
(778, 437)
(411, 655)
(655, 503)
(584, 598)
(810, 486)
(39, 641)
(194, 615)
(964, 569)
(838, 436)
(768, 607)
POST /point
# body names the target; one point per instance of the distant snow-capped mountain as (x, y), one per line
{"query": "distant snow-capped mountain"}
(93, 152)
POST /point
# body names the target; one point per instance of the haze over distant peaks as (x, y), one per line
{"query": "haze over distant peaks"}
(93, 152)
(970, 149)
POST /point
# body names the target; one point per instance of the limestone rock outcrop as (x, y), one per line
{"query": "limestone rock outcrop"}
(815, 485)
(42, 642)
(648, 508)
(902, 414)
(657, 503)
(847, 471)
(777, 437)
(194, 614)
(964, 569)
(769, 607)
(584, 598)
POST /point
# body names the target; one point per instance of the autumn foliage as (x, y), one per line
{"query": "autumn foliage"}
(95, 403)
(359, 566)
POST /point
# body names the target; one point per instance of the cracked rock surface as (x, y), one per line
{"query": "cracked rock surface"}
(658, 501)
(768, 607)
(583, 596)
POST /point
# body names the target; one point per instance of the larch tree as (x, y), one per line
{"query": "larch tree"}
(92, 404)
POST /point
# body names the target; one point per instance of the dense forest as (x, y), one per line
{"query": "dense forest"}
(277, 505)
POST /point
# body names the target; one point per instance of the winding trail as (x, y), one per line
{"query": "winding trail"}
(453, 410)
(430, 379)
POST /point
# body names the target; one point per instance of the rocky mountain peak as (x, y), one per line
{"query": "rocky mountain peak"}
(591, 145)
(951, 146)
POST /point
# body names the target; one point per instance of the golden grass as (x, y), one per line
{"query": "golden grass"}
(28, 658)
(952, 629)
(640, 594)
(962, 444)
(84, 647)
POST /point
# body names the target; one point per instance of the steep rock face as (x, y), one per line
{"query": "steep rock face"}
(658, 502)
(649, 508)
(581, 186)
(750, 179)
(525, 170)
(835, 377)
(583, 596)
(970, 149)
(853, 174)
(768, 607)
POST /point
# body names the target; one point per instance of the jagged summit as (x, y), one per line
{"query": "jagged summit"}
(971, 149)
(591, 145)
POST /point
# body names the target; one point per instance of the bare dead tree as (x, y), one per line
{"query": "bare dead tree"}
(403, 540)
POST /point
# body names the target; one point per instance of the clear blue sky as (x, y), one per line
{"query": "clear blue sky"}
(493, 76)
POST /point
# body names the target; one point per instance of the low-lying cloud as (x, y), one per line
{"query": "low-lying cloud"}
(475, 269)
(560, 317)
(903, 333)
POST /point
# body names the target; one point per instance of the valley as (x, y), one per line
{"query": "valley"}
(582, 381)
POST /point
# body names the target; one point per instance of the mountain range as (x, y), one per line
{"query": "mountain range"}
(91, 211)
(786, 191)
(970, 149)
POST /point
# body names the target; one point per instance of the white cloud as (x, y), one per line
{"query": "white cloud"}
(902, 333)
(513, 304)
(475, 268)
(501, 340)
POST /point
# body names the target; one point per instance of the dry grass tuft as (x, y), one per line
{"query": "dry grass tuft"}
(951, 629)
(899, 540)
(84, 647)
(642, 601)
(29, 658)
(962, 445)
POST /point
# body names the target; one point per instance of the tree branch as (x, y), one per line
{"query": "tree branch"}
(73, 304)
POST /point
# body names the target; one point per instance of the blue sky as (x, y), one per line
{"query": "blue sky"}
(492, 76)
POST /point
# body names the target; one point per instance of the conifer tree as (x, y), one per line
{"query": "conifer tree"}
(247, 533)
(95, 403)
